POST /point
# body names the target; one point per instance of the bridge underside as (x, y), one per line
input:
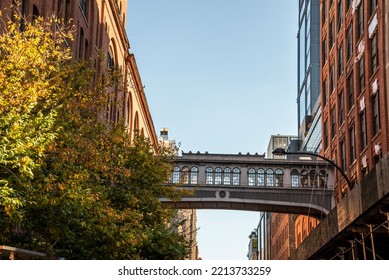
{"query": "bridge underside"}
(313, 202)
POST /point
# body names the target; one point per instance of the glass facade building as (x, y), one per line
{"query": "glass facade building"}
(308, 72)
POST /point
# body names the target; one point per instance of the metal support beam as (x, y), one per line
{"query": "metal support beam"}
(372, 241)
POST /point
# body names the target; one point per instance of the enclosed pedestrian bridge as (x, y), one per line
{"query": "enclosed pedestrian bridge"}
(299, 185)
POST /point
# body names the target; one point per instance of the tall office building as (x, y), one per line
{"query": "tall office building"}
(308, 76)
(354, 99)
(99, 29)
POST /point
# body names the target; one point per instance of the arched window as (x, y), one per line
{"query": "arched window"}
(227, 176)
(209, 176)
(236, 176)
(35, 13)
(270, 177)
(193, 175)
(279, 178)
(304, 178)
(323, 179)
(261, 177)
(251, 177)
(313, 178)
(176, 175)
(81, 44)
(294, 178)
(185, 175)
(218, 176)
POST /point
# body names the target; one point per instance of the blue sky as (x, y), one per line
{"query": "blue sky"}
(221, 75)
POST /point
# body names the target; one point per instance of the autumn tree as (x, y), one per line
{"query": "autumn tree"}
(73, 186)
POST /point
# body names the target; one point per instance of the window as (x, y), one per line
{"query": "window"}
(332, 78)
(322, 179)
(333, 122)
(374, 53)
(342, 155)
(261, 177)
(376, 113)
(236, 176)
(349, 41)
(360, 20)
(185, 175)
(362, 120)
(353, 152)
(269, 178)
(325, 135)
(324, 52)
(350, 89)
(84, 8)
(209, 176)
(313, 178)
(176, 175)
(361, 74)
(251, 177)
(340, 60)
(324, 92)
(323, 12)
(341, 107)
(373, 6)
(227, 176)
(294, 174)
(218, 176)
(193, 175)
(279, 178)
(340, 14)
(332, 34)
(304, 178)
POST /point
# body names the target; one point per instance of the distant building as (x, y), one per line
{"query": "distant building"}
(185, 222)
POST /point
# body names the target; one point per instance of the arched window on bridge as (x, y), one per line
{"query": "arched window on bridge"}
(270, 178)
(185, 175)
(227, 176)
(209, 176)
(304, 178)
(323, 179)
(251, 177)
(176, 175)
(294, 178)
(193, 175)
(313, 178)
(236, 176)
(218, 176)
(279, 178)
(261, 177)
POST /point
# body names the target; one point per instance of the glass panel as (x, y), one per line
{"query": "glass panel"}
(251, 177)
(185, 175)
(218, 176)
(227, 176)
(193, 175)
(236, 177)
(270, 178)
(261, 177)
(176, 175)
(279, 178)
(295, 178)
(209, 176)
(313, 178)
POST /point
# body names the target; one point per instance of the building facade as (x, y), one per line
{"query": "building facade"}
(354, 99)
(99, 30)
(308, 74)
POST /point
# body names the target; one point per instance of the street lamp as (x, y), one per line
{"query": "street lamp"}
(282, 152)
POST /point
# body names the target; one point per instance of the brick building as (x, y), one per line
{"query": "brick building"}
(354, 99)
(100, 28)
